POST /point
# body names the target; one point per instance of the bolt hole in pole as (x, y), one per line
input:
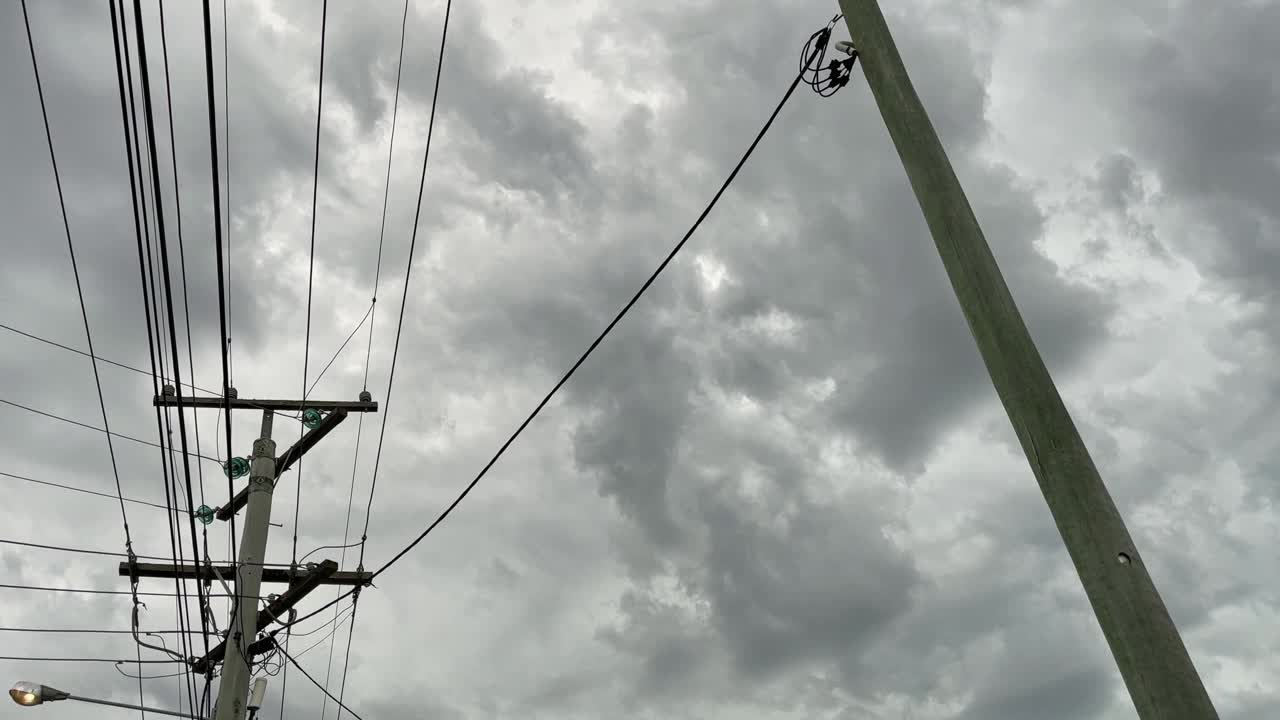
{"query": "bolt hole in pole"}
(1123, 558)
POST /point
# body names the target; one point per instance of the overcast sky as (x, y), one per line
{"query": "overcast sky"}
(784, 487)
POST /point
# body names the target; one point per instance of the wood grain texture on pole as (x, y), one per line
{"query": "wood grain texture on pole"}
(1155, 665)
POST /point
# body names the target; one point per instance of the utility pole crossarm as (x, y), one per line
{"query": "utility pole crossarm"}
(286, 461)
(240, 644)
(275, 575)
(1155, 665)
(211, 403)
(277, 608)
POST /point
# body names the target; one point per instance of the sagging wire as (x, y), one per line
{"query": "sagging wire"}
(826, 78)
(147, 677)
(133, 590)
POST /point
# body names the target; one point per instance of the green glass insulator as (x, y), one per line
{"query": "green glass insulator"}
(204, 514)
(311, 417)
(237, 468)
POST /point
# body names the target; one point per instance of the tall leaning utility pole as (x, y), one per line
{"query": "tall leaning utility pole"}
(1153, 661)
(236, 652)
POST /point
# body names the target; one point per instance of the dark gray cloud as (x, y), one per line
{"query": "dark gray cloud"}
(782, 485)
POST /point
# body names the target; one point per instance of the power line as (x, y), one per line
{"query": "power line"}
(86, 631)
(377, 275)
(119, 34)
(108, 553)
(313, 682)
(217, 229)
(329, 364)
(91, 591)
(84, 314)
(306, 345)
(92, 427)
(604, 333)
(84, 551)
(324, 639)
(140, 677)
(131, 368)
(404, 299)
(82, 490)
(583, 358)
(87, 660)
(386, 192)
(99, 358)
(226, 128)
(75, 270)
(326, 547)
(327, 623)
(184, 616)
(311, 264)
(162, 236)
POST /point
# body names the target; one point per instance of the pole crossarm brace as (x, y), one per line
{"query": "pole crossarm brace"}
(208, 573)
(285, 461)
(277, 608)
(212, 403)
(309, 440)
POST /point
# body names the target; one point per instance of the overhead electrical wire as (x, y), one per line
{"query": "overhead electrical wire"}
(626, 308)
(165, 264)
(373, 304)
(66, 225)
(87, 660)
(824, 78)
(191, 361)
(342, 347)
(119, 34)
(87, 426)
(108, 553)
(84, 631)
(92, 591)
(217, 229)
(412, 244)
(140, 677)
(325, 639)
(137, 198)
(85, 551)
(140, 371)
(313, 682)
(311, 265)
(341, 613)
(327, 547)
(182, 253)
(226, 129)
(146, 252)
(81, 490)
(99, 358)
(161, 235)
(75, 270)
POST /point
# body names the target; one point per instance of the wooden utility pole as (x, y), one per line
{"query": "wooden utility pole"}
(264, 468)
(234, 691)
(1153, 661)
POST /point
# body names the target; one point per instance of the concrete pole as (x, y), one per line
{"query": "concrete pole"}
(233, 693)
(1153, 661)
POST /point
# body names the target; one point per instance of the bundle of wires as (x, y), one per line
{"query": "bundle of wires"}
(826, 78)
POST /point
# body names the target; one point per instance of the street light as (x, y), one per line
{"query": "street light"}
(28, 694)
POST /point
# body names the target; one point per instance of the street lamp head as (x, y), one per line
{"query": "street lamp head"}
(28, 693)
(25, 693)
